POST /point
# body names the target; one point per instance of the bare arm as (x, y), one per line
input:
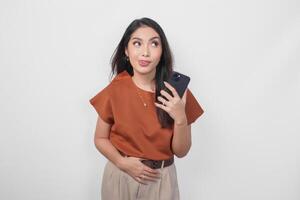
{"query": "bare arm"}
(181, 142)
(103, 144)
(130, 165)
(175, 107)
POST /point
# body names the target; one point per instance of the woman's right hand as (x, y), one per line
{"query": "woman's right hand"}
(138, 171)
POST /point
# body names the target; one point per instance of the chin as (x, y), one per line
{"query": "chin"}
(144, 70)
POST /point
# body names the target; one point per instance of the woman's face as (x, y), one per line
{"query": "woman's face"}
(144, 50)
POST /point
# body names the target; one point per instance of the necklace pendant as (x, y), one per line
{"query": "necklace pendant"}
(145, 105)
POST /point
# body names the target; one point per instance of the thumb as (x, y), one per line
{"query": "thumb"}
(140, 159)
(184, 97)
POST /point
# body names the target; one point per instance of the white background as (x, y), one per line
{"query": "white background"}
(243, 58)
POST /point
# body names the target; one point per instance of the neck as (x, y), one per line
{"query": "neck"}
(145, 81)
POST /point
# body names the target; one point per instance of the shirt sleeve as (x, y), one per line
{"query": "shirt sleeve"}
(193, 109)
(102, 104)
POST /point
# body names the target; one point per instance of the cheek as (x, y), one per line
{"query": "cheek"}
(157, 55)
(133, 54)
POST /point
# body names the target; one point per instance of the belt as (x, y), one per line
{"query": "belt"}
(155, 164)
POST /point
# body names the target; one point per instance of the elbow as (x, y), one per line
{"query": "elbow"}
(98, 141)
(95, 142)
(180, 155)
(181, 152)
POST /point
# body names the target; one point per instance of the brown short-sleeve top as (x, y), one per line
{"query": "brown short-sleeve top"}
(136, 130)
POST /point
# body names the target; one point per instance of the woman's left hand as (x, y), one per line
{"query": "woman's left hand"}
(174, 106)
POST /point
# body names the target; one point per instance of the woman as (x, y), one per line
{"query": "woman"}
(140, 126)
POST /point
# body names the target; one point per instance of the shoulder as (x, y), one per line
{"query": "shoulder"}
(120, 79)
(120, 82)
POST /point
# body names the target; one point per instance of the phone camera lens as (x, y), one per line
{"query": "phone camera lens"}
(176, 77)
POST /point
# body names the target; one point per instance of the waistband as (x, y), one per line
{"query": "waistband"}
(155, 164)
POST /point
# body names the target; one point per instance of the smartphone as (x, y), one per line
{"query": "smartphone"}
(179, 82)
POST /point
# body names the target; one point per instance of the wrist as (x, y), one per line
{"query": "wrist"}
(120, 162)
(181, 121)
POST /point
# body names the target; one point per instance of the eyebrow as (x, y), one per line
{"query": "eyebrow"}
(137, 38)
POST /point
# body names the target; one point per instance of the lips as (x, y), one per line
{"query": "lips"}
(144, 63)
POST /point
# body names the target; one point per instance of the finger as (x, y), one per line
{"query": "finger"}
(138, 179)
(167, 95)
(140, 159)
(184, 96)
(162, 100)
(144, 177)
(148, 178)
(172, 89)
(152, 175)
(149, 170)
(161, 106)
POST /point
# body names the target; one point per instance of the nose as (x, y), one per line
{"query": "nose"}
(146, 52)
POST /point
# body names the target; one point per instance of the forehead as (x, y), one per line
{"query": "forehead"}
(144, 33)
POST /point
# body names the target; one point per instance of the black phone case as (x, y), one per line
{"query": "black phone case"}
(179, 82)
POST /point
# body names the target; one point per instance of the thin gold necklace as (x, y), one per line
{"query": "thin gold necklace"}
(139, 94)
(142, 99)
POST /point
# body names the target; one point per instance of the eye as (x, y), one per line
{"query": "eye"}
(137, 43)
(155, 43)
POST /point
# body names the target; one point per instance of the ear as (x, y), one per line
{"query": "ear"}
(126, 52)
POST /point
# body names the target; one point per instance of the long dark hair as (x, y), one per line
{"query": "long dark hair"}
(163, 69)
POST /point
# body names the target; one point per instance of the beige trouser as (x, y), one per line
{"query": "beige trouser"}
(118, 185)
